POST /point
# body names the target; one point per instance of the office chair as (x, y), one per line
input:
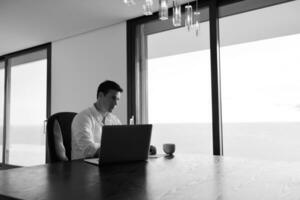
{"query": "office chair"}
(59, 137)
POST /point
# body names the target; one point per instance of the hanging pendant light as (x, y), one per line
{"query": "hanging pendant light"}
(148, 7)
(176, 13)
(197, 25)
(192, 18)
(197, 19)
(188, 17)
(163, 10)
(129, 2)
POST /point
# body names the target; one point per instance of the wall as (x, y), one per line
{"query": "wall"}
(80, 63)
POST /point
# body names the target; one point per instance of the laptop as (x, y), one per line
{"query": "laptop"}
(123, 143)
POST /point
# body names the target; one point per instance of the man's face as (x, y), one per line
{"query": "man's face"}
(110, 100)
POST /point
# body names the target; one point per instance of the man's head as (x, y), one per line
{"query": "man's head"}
(108, 95)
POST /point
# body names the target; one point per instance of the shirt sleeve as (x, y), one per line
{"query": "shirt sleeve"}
(118, 122)
(83, 136)
(115, 120)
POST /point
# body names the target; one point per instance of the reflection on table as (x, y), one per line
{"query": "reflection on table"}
(179, 177)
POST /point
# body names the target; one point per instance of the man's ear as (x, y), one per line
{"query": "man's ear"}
(101, 94)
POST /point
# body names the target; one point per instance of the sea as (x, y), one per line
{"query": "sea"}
(258, 140)
(26, 145)
(262, 140)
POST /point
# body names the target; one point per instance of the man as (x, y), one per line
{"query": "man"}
(87, 125)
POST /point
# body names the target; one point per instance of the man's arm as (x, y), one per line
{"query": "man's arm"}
(83, 137)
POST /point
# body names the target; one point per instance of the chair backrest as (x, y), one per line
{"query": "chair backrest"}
(60, 137)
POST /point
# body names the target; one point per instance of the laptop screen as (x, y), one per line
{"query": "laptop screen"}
(124, 143)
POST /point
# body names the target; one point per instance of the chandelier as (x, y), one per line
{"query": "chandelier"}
(192, 15)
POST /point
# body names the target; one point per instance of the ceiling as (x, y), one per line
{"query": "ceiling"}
(27, 23)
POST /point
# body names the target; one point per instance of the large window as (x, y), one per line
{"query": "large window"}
(254, 96)
(178, 85)
(26, 107)
(261, 84)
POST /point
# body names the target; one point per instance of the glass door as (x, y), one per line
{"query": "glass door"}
(177, 86)
(261, 84)
(25, 142)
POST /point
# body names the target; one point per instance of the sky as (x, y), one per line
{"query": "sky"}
(260, 82)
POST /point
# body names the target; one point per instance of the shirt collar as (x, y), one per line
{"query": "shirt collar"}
(97, 115)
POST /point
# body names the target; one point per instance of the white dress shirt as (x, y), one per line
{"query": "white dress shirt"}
(87, 130)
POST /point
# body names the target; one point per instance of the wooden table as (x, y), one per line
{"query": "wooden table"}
(165, 178)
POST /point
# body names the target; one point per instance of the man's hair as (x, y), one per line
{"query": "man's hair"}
(107, 85)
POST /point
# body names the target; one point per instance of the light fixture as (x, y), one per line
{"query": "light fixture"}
(148, 7)
(197, 19)
(129, 2)
(163, 10)
(197, 23)
(192, 18)
(176, 13)
(189, 16)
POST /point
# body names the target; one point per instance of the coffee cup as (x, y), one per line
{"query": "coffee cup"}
(152, 150)
(169, 148)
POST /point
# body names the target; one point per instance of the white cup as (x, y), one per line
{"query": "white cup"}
(169, 148)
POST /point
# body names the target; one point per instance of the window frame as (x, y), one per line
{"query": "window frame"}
(132, 40)
(217, 9)
(7, 77)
